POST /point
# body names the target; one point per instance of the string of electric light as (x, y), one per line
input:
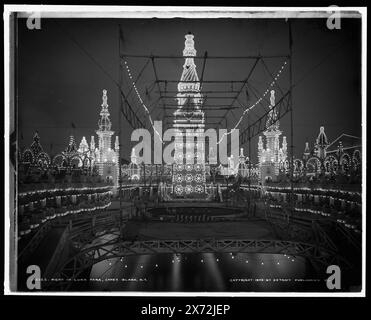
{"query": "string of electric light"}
(26, 193)
(306, 189)
(141, 100)
(237, 257)
(61, 214)
(278, 74)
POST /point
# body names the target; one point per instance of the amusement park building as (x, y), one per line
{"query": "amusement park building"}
(102, 158)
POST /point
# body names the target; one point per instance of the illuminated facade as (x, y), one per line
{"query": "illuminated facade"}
(271, 156)
(189, 123)
(104, 157)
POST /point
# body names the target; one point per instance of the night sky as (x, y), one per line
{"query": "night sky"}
(60, 85)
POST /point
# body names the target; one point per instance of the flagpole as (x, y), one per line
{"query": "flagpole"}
(291, 123)
(120, 144)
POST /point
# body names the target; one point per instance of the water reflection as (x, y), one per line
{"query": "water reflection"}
(240, 272)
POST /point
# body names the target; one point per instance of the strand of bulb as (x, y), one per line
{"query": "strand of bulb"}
(255, 104)
(141, 100)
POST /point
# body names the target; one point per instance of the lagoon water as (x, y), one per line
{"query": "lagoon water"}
(205, 272)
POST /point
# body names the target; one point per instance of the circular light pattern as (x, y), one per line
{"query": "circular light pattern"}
(178, 189)
(189, 177)
(188, 189)
(198, 167)
(179, 178)
(189, 156)
(189, 167)
(135, 177)
(179, 157)
(198, 178)
(199, 189)
(179, 167)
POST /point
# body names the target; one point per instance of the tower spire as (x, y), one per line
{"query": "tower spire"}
(272, 122)
(36, 145)
(321, 143)
(104, 122)
(272, 156)
(189, 123)
(189, 80)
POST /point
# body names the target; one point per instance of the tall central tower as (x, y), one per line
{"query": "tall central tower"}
(189, 125)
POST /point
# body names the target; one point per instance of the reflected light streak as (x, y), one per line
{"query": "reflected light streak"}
(139, 272)
(175, 274)
(215, 271)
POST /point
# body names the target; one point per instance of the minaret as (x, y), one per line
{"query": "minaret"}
(272, 156)
(83, 147)
(306, 151)
(133, 157)
(104, 132)
(242, 157)
(92, 144)
(272, 133)
(260, 145)
(321, 143)
(106, 158)
(117, 145)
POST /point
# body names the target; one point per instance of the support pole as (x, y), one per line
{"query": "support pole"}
(120, 140)
(248, 123)
(291, 124)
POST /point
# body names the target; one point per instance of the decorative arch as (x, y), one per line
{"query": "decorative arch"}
(298, 165)
(74, 161)
(331, 163)
(313, 165)
(86, 162)
(58, 160)
(134, 171)
(345, 162)
(286, 165)
(43, 160)
(28, 156)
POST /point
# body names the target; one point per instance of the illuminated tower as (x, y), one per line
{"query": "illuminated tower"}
(84, 152)
(83, 147)
(189, 124)
(106, 159)
(321, 144)
(306, 153)
(272, 156)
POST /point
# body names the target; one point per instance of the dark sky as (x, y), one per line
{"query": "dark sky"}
(59, 84)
